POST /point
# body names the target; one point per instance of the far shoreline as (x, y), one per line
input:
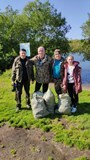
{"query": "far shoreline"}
(86, 86)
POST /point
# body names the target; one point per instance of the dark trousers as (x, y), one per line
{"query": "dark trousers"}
(72, 94)
(44, 87)
(57, 86)
(18, 94)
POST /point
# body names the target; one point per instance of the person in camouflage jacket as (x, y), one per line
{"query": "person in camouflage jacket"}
(43, 73)
(22, 73)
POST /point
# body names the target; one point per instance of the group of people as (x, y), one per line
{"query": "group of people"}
(65, 74)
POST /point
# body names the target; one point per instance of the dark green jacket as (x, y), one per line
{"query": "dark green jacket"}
(17, 70)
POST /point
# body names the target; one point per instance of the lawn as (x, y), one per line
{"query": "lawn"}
(72, 130)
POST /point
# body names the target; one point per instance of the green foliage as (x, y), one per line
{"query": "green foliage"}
(86, 49)
(86, 33)
(82, 158)
(2, 60)
(81, 46)
(73, 130)
(39, 24)
(50, 158)
(75, 46)
(86, 28)
(51, 27)
(13, 152)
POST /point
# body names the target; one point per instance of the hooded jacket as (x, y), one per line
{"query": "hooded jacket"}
(76, 75)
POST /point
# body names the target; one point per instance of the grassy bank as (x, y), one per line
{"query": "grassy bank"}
(73, 130)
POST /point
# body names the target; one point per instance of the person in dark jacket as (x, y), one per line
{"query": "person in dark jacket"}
(22, 73)
(71, 80)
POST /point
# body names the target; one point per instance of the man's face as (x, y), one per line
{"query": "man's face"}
(57, 56)
(23, 54)
(41, 52)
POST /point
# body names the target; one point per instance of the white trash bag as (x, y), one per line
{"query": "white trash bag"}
(39, 108)
(50, 100)
(64, 104)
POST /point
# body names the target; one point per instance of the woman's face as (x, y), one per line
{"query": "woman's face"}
(41, 52)
(70, 60)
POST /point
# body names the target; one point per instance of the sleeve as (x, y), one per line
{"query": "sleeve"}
(79, 74)
(34, 59)
(62, 71)
(79, 80)
(50, 67)
(14, 71)
(32, 70)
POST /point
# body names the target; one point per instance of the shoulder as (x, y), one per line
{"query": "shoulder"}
(34, 59)
(30, 61)
(48, 58)
(62, 59)
(17, 59)
(76, 63)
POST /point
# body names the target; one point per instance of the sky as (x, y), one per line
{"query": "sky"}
(75, 12)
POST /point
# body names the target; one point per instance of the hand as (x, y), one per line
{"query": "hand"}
(12, 83)
(32, 82)
(64, 87)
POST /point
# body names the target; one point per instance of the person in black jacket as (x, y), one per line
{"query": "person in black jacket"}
(22, 73)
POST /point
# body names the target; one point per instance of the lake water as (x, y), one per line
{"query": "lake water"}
(85, 65)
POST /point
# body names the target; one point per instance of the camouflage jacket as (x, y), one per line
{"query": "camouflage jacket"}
(17, 70)
(42, 69)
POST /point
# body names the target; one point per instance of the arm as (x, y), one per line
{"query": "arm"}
(79, 74)
(34, 59)
(79, 81)
(63, 78)
(50, 69)
(31, 70)
(62, 71)
(32, 73)
(13, 72)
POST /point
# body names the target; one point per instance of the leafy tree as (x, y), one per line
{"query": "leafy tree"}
(86, 28)
(86, 33)
(7, 21)
(2, 60)
(39, 24)
(48, 28)
(76, 45)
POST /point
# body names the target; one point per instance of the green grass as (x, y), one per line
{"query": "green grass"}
(73, 130)
(82, 158)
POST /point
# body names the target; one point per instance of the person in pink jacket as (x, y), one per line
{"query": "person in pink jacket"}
(71, 80)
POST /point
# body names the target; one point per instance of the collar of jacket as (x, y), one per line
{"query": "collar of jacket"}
(44, 59)
(75, 63)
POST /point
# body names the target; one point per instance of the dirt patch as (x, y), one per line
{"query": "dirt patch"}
(33, 144)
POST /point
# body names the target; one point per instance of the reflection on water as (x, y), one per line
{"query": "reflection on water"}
(85, 65)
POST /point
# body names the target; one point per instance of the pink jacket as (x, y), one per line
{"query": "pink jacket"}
(76, 75)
